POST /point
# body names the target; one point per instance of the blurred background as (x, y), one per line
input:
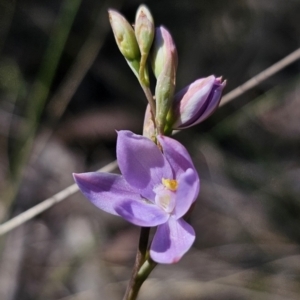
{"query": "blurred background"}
(64, 91)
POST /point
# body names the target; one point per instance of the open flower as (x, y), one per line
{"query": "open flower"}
(156, 188)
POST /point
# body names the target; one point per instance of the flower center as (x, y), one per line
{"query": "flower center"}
(165, 194)
(170, 184)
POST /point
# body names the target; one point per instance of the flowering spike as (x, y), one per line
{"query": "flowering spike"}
(144, 32)
(164, 64)
(196, 102)
(125, 39)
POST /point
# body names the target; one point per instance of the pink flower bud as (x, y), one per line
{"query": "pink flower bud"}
(196, 102)
(164, 64)
(163, 51)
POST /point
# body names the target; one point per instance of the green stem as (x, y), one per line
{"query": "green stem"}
(139, 261)
(142, 275)
(143, 71)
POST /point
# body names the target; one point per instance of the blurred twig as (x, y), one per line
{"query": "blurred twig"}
(43, 206)
(254, 81)
(32, 212)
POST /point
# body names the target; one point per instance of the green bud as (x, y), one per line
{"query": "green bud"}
(124, 36)
(144, 32)
(144, 29)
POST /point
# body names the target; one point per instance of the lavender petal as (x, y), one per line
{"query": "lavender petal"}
(171, 241)
(176, 154)
(141, 162)
(214, 101)
(105, 190)
(142, 213)
(187, 192)
(194, 102)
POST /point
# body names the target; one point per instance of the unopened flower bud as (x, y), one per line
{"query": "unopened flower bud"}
(164, 49)
(164, 64)
(196, 102)
(144, 32)
(125, 38)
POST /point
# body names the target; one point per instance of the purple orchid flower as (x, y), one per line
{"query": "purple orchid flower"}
(156, 188)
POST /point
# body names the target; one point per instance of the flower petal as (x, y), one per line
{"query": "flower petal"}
(142, 213)
(214, 101)
(176, 154)
(197, 101)
(105, 190)
(171, 241)
(192, 101)
(141, 163)
(187, 192)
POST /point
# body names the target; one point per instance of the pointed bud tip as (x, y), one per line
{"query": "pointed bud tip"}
(76, 177)
(144, 28)
(220, 81)
(112, 13)
(144, 11)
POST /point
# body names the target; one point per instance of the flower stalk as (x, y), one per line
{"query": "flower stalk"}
(158, 184)
(139, 271)
(140, 278)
